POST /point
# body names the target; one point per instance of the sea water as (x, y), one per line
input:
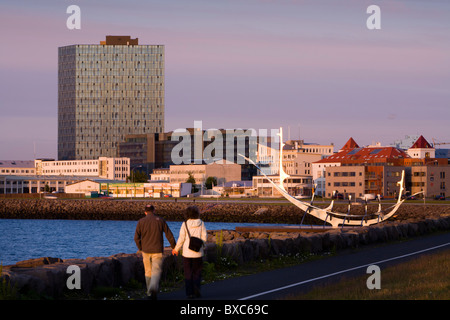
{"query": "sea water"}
(23, 239)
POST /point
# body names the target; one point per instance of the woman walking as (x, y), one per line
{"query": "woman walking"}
(192, 260)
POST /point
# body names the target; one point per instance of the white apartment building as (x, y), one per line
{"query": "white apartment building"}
(161, 174)
(268, 157)
(103, 167)
(295, 185)
(299, 159)
(318, 175)
(17, 167)
(298, 156)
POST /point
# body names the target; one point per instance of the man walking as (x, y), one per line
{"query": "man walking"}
(149, 240)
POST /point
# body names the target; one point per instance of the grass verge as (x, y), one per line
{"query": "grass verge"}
(423, 278)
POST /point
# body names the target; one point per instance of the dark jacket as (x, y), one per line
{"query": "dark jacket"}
(149, 234)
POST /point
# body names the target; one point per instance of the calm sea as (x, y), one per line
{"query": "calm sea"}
(66, 239)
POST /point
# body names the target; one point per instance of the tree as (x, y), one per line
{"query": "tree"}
(191, 179)
(210, 181)
(138, 176)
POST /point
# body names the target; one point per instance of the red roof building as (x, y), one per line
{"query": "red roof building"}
(351, 144)
(355, 171)
(352, 154)
(421, 149)
(421, 143)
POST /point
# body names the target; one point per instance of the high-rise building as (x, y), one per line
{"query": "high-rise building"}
(105, 92)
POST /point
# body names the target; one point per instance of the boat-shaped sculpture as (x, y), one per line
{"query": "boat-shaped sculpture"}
(327, 215)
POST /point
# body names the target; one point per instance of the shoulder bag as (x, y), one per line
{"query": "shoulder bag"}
(195, 244)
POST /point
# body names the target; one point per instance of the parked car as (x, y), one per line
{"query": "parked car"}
(104, 195)
(439, 197)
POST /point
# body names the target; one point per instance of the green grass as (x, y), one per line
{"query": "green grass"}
(7, 292)
(424, 278)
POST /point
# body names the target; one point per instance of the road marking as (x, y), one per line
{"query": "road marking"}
(342, 271)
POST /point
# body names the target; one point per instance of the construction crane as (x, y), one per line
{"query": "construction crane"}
(438, 143)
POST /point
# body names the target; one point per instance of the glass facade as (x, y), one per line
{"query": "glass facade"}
(106, 92)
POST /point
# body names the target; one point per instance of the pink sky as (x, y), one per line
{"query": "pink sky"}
(311, 65)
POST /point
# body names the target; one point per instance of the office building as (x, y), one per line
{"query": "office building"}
(105, 92)
(19, 184)
(222, 170)
(106, 168)
(298, 156)
(147, 151)
(193, 146)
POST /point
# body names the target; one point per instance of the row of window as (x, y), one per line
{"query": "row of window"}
(33, 182)
(296, 172)
(344, 184)
(120, 94)
(109, 72)
(119, 61)
(368, 174)
(423, 174)
(90, 49)
(17, 171)
(70, 163)
(89, 122)
(288, 181)
(344, 174)
(70, 171)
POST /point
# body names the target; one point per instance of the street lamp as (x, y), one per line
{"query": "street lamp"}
(132, 172)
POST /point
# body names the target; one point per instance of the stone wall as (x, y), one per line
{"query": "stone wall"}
(48, 276)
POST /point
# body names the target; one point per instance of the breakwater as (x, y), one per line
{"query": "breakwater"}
(48, 276)
(173, 211)
(134, 210)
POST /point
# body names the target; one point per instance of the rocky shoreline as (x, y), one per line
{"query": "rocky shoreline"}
(173, 211)
(48, 276)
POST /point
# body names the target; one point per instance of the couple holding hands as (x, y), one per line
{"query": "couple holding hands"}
(149, 240)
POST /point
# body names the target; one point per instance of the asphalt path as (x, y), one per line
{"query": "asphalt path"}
(284, 282)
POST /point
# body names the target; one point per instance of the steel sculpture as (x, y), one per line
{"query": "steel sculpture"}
(335, 219)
